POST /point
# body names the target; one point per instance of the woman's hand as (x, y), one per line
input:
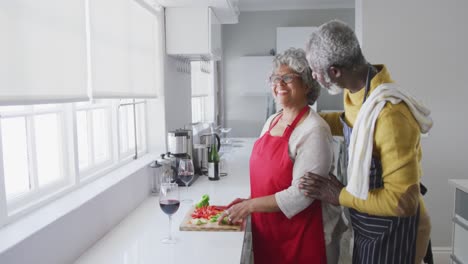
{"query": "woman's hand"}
(236, 201)
(236, 211)
(326, 189)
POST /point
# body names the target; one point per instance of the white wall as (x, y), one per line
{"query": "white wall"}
(255, 34)
(423, 43)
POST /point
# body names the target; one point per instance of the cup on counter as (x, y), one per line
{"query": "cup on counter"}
(226, 142)
(223, 166)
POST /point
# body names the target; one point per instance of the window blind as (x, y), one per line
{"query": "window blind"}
(42, 51)
(125, 50)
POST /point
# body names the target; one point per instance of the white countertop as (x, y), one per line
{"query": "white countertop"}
(137, 239)
(461, 184)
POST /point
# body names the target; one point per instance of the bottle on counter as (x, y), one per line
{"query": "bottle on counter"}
(213, 164)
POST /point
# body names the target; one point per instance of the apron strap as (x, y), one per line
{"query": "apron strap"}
(289, 129)
(275, 120)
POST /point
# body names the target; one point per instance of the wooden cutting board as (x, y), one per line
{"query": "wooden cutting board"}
(186, 225)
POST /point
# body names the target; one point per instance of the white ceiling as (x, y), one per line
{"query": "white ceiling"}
(260, 5)
(227, 11)
(257, 5)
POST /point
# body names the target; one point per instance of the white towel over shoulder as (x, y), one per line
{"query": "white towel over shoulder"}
(362, 137)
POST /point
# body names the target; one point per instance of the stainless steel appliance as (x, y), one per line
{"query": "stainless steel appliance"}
(163, 173)
(206, 142)
(179, 145)
(179, 142)
(203, 138)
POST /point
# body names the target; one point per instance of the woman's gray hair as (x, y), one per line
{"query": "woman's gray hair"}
(334, 44)
(296, 60)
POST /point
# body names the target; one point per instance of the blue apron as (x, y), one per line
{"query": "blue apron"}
(380, 239)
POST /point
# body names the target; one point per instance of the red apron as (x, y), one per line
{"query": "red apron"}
(277, 239)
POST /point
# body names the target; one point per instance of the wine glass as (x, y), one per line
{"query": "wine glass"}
(185, 173)
(169, 203)
(226, 143)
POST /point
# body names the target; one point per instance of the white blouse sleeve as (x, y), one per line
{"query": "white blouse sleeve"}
(311, 152)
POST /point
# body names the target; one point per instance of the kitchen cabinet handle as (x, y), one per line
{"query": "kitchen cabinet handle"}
(458, 220)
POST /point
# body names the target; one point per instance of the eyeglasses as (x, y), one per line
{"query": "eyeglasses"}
(287, 78)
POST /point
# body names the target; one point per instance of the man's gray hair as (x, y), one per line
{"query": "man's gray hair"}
(334, 44)
(296, 60)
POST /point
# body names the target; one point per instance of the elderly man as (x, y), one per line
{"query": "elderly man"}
(381, 125)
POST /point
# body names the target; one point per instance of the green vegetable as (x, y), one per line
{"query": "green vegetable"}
(225, 221)
(214, 218)
(205, 201)
(200, 222)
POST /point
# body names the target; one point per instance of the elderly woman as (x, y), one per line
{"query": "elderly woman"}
(287, 226)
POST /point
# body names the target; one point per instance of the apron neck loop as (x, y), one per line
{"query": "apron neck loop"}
(291, 127)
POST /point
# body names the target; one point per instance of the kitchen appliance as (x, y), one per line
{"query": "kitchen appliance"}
(180, 142)
(163, 173)
(198, 129)
(180, 145)
(198, 153)
(206, 142)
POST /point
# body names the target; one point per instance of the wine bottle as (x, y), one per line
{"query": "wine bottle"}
(213, 164)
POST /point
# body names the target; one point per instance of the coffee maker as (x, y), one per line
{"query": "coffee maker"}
(203, 139)
(179, 145)
(180, 142)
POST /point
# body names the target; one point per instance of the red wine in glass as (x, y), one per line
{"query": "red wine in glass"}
(169, 202)
(169, 206)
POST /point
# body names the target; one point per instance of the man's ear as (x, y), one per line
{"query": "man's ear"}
(334, 72)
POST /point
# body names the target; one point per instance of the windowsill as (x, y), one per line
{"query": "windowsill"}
(14, 233)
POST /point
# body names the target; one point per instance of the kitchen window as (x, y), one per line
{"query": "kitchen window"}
(93, 127)
(202, 82)
(34, 148)
(47, 150)
(132, 120)
(199, 113)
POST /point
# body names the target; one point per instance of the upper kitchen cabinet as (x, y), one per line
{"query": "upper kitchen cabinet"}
(193, 32)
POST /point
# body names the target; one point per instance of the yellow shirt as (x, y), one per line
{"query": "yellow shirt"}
(396, 144)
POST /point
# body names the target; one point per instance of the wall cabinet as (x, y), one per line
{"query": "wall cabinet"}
(193, 33)
(460, 223)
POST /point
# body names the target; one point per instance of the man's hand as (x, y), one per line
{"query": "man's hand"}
(326, 189)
